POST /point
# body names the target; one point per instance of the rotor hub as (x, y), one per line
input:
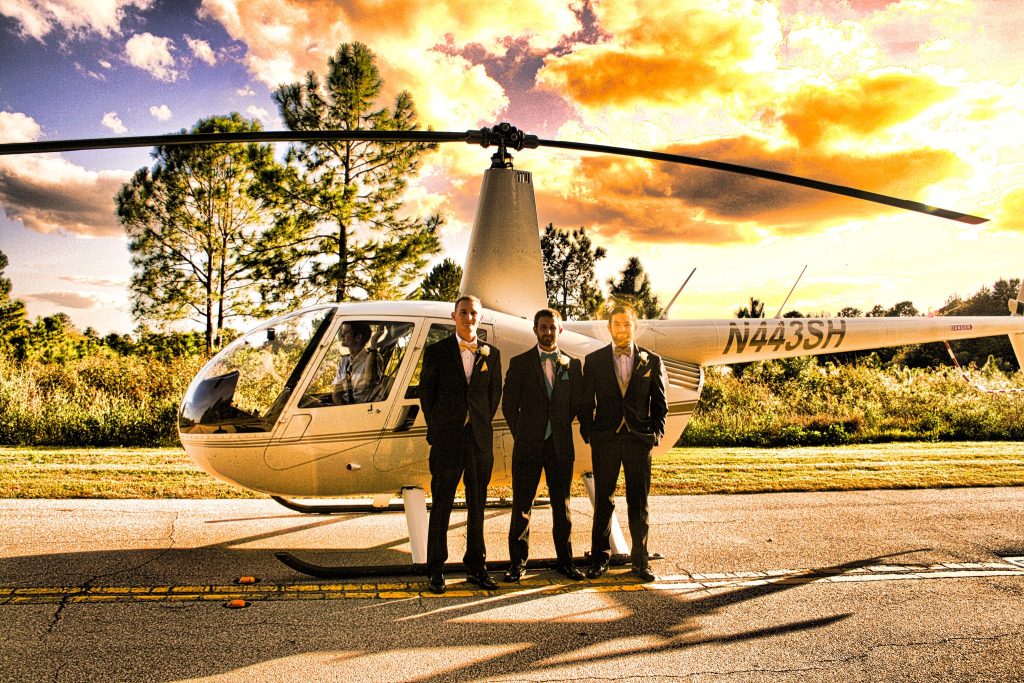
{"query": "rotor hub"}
(506, 137)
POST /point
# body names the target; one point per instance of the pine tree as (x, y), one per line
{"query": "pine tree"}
(754, 310)
(340, 232)
(13, 318)
(569, 262)
(634, 287)
(191, 221)
(441, 283)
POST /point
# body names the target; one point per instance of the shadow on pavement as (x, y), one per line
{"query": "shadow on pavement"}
(488, 631)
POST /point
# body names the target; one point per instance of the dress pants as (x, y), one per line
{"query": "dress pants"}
(634, 457)
(449, 462)
(527, 465)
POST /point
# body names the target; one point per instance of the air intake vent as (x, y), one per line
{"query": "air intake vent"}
(683, 375)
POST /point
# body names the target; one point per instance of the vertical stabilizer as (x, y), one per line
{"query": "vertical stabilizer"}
(503, 265)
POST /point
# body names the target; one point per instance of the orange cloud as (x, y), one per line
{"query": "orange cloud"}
(656, 201)
(859, 106)
(643, 219)
(287, 38)
(664, 56)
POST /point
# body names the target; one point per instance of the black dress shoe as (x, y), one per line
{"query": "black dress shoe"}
(597, 569)
(514, 574)
(569, 571)
(436, 583)
(644, 573)
(482, 579)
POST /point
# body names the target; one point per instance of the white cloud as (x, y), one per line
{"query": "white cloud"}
(78, 18)
(161, 113)
(47, 193)
(105, 64)
(153, 54)
(245, 92)
(89, 73)
(112, 121)
(17, 127)
(93, 281)
(257, 112)
(202, 50)
(65, 299)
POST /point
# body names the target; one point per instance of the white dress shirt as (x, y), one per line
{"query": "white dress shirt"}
(624, 366)
(548, 365)
(467, 355)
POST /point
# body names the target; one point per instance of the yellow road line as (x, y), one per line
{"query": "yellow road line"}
(610, 583)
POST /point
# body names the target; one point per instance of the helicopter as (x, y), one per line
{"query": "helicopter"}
(261, 414)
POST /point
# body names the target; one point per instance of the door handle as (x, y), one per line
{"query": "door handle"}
(407, 418)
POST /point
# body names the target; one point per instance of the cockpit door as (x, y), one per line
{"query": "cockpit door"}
(345, 396)
(404, 442)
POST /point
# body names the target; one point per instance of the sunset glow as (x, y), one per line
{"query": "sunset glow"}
(921, 99)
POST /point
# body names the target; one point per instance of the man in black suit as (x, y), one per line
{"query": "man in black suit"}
(460, 388)
(623, 418)
(541, 397)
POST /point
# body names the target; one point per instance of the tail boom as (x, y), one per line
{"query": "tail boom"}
(722, 342)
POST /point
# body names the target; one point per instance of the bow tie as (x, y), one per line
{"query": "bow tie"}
(553, 356)
(623, 350)
(466, 346)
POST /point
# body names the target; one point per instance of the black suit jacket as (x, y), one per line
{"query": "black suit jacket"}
(644, 406)
(527, 407)
(447, 399)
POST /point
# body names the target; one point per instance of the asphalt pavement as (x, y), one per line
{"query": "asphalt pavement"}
(923, 585)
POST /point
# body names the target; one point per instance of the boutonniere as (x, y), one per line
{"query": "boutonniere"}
(563, 367)
(643, 356)
(484, 350)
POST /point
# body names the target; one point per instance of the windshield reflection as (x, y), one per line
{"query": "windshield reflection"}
(246, 386)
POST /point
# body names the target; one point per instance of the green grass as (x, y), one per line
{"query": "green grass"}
(839, 468)
(41, 472)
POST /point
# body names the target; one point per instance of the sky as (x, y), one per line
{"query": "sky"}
(922, 99)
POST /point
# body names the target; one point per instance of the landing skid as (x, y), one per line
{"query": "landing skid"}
(336, 572)
(356, 572)
(341, 508)
(414, 503)
(335, 509)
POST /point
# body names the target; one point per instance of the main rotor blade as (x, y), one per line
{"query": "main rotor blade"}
(771, 175)
(223, 138)
(484, 137)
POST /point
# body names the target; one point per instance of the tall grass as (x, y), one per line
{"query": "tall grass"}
(108, 399)
(99, 400)
(801, 403)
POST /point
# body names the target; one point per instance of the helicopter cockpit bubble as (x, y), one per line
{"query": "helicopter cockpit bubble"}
(246, 386)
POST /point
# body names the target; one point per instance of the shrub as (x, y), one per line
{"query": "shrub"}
(99, 400)
(782, 403)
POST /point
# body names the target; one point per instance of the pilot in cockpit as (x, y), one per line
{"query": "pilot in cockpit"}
(359, 372)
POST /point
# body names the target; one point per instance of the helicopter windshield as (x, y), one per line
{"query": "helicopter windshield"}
(246, 386)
